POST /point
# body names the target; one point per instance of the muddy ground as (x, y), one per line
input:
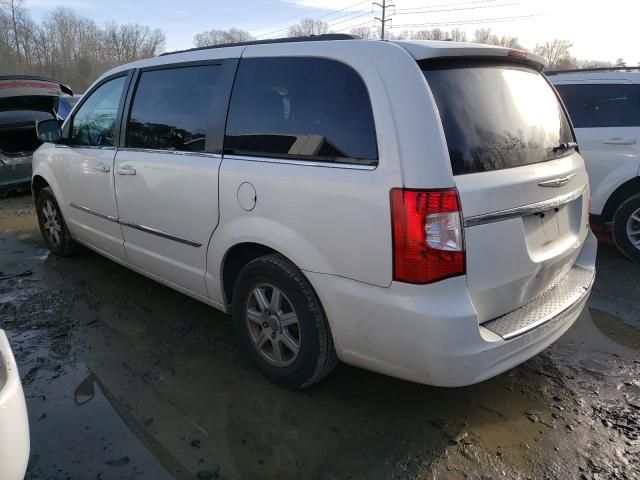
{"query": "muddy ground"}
(125, 378)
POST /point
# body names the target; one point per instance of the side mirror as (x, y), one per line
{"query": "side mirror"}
(49, 130)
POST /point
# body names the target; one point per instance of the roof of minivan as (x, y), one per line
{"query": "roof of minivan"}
(418, 49)
(596, 76)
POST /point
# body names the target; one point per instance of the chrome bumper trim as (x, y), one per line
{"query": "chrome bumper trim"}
(524, 209)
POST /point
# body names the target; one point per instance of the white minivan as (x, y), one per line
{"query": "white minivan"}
(604, 105)
(418, 209)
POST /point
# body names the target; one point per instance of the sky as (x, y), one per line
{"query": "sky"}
(598, 30)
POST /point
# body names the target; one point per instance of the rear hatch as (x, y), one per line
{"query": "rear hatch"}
(23, 101)
(522, 184)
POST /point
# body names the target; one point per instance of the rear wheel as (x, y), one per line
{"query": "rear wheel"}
(52, 225)
(626, 228)
(280, 323)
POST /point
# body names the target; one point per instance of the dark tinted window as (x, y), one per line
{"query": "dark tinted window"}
(94, 122)
(602, 105)
(171, 108)
(497, 116)
(303, 108)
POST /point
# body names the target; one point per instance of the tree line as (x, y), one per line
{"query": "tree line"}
(68, 47)
(76, 50)
(556, 52)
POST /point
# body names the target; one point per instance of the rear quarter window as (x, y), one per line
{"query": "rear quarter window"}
(602, 105)
(497, 116)
(312, 109)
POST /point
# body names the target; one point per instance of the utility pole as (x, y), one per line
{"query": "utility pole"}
(383, 6)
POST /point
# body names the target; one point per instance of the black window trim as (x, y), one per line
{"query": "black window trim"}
(67, 127)
(350, 164)
(217, 113)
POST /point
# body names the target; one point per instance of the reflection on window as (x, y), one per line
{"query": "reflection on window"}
(94, 123)
(497, 117)
(602, 105)
(171, 108)
(303, 108)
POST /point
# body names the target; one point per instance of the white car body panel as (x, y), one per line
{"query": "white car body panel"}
(612, 154)
(333, 222)
(156, 197)
(14, 422)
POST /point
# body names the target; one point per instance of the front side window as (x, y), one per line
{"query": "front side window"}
(497, 116)
(171, 108)
(94, 123)
(602, 105)
(302, 108)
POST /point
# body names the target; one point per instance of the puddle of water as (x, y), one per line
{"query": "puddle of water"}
(75, 431)
(26, 222)
(616, 329)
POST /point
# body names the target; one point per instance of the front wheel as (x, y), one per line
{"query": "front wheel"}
(626, 228)
(52, 225)
(280, 323)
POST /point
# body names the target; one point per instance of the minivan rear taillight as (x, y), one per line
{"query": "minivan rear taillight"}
(428, 243)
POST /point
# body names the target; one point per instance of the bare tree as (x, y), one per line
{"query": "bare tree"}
(557, 53)
(307, 27)
(68, 46)
(362, 32)
(218, 37)
(458, 35)
(620, 62)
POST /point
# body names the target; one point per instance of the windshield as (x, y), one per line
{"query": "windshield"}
(497, 116)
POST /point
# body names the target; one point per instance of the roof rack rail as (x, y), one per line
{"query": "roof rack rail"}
(310, 38)
(595, 69)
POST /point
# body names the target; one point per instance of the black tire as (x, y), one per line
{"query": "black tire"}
(61, 244)
(316, 355)
(623, 214)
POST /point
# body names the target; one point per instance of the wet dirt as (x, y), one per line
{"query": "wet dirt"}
(125, 378)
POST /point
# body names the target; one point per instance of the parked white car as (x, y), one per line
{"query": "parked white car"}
(14, 423)
(414, 208)
(604, 105)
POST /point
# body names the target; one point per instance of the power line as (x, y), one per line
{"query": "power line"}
(471, 2)
(468, 22)
(288, 18)
(320, 17)
(418, 12)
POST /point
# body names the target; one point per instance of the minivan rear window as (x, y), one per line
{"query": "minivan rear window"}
(497, 116)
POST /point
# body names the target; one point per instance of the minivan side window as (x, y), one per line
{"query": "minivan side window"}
(602, 105)
(94, 122)
(171, 108)
(302, 108)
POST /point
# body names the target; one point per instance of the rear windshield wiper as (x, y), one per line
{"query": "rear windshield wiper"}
(564, 146)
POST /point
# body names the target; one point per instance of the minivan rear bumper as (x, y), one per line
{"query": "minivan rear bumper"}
(430, 334)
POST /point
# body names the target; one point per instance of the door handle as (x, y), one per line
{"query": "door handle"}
(126, 170)
(102, 167)
(620, 141)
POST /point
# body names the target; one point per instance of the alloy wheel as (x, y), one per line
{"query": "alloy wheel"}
(51, 223)
(273, 325)
(633, 229)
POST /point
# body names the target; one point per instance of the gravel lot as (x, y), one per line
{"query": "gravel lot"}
(125, 378)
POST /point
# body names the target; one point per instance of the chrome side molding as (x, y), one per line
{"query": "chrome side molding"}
(160, 233)
(524, 210)
(94, 212)
(142, 228)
